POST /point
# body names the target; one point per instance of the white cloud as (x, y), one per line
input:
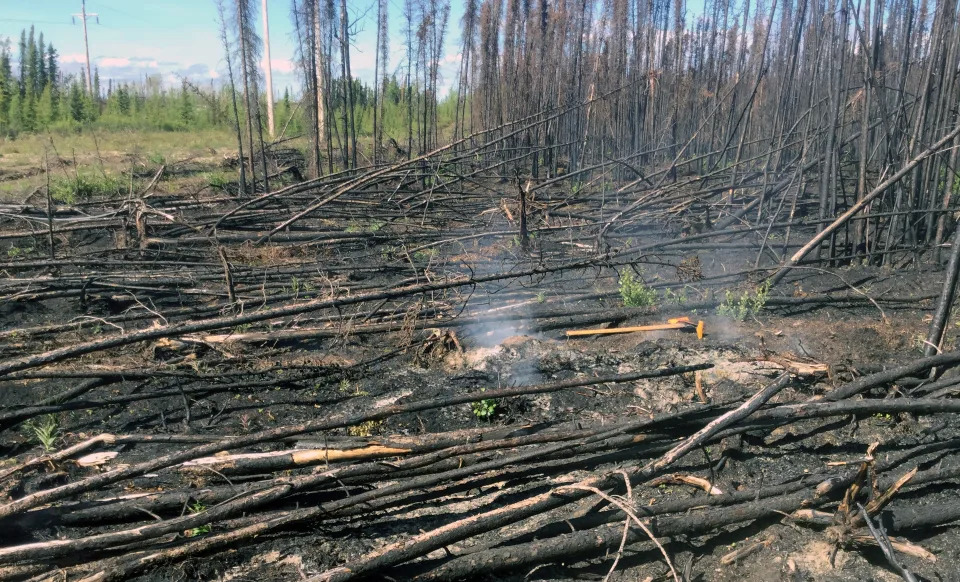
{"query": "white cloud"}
(284, 66)
(73, 58)
(107, 62)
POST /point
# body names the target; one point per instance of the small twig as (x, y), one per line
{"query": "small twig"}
(633, 516)
(626, 529)
(100, 320)
(147, 309)
(850, 285)
(884, 542)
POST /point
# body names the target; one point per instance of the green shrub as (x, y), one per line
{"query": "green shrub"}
(218, 180)
(635, 293)
(740, 306)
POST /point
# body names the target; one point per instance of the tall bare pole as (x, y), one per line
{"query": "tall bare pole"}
(86, 43)
(267, 67)
(317, 34)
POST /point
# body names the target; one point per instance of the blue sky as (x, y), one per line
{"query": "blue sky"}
(180, 37)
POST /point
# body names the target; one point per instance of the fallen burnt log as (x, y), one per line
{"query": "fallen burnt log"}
(751, 416)
(343, 420)
(699, 522)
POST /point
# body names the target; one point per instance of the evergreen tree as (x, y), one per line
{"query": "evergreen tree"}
(186, 106)
(123, 100)
(76, 102)
(6, 86)
(139, 102)
(47, 107)
(30, 82)
(29, 120)
(53, 84)
(96, 84)
(41, 65)
(24, 57)
(52, 69)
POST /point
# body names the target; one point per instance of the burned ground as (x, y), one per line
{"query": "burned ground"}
(383, 387)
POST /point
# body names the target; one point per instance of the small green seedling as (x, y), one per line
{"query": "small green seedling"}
(485, 409)
(44, 430)
(195, 508)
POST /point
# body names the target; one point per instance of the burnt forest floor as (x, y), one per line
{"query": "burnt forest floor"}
(494, 335)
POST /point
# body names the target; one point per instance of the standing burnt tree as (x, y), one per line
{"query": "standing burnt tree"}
(250, 49)
(773, 109)
(380, 79)
(764, 100)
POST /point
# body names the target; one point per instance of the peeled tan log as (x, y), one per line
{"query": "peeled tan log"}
(62, 454)
(284, 460)
(126, 507)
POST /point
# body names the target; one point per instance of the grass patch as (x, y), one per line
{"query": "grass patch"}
(85, 187)
(169, 144)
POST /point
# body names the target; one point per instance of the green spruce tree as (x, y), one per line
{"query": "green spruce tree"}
(186, 106)
(76, 102)
(123, 100)
(30, 82)
(6, 87)
(24, 57)
(41, 66)
(47, 108)
(53, 70)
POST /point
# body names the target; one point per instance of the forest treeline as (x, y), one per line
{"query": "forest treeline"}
(36, 96)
